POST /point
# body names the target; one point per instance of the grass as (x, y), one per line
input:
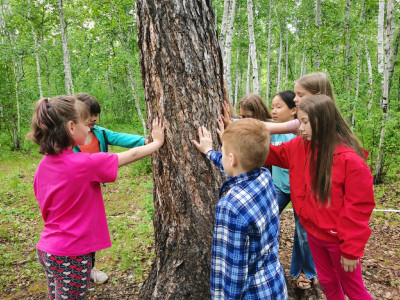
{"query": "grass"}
(129, 208)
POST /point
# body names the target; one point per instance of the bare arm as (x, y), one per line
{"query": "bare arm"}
(137, 153)
(278, 128)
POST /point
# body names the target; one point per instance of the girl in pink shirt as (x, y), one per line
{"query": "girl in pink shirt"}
(67, 188)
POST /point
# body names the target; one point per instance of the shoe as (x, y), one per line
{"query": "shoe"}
(98, 276)
(302, 282)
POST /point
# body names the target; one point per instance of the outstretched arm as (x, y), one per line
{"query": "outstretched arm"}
(137, 153)
(282, 128)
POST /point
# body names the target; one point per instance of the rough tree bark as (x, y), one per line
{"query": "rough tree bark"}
(182, 74)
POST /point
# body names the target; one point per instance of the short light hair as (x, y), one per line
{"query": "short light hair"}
(249, 140)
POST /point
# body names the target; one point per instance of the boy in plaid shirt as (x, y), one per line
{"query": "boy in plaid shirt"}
(245, 249)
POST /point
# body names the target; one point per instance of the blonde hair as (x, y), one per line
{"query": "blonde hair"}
(249, 140)
(254, 103)
(316, 83)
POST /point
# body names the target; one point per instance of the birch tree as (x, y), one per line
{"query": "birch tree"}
(389, 33)
(267, 91)
(69, 87)
(228, 50)
(253, 50)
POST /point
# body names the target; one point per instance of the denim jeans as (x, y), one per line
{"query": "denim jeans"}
(301, 255)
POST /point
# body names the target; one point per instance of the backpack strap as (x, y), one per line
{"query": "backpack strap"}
(105, 140)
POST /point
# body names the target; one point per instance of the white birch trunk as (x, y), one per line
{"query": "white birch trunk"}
(69, 87)
(286, 60)
(224, 27)
(370, 79)
(267, 93)
(354, 106)
(248, 81)
(278, 78)
(36, 51)
(348, 47)
(318, 10)
(253, 50)
(236, 79)
(389, 32)
(135, 97)
(381, 21)
(228, 52)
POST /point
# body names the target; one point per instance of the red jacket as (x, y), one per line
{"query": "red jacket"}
(345, 219)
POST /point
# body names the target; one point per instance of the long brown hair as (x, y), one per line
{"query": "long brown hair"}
(328, 130)
(49, 123)
(254, 103)
(316, 83)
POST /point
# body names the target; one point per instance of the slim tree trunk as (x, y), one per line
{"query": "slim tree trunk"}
(267, 91)
(318, 10)
(236, 79)
(381, 25)
(135, 97)
(224, 26)
(182, 74)
(286, 60)
(253, 50)
(36, 47)
(389, 33)
(228, 52)
(370, 79)
(354, 106)
(347, 76)
(248, 81)
(69, 87)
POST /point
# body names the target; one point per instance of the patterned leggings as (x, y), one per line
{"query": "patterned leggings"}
(67, 277)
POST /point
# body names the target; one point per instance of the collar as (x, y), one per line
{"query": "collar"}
(233, 181)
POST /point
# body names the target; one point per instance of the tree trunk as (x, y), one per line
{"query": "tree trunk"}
(69, 87)
(354, 106)
(135, 97)
(224, 26)
(318, 10)
(267, 92)
(236, 79)
(389, 30)
(36, 51)
(286, 60)
(182, 74)
(347, 60)
(228, 52)
(370, 79)
(248, 80)
(381, 25)
(253, 50)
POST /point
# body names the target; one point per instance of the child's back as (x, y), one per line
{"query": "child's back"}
(245, 250)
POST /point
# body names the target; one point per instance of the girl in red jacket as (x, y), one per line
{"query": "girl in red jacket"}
(332, 193)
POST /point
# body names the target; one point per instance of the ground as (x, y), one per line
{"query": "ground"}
(128, 261)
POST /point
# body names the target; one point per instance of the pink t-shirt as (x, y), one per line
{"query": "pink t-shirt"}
(67, 187)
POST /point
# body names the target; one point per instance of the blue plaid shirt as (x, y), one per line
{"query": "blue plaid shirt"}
(245, 249)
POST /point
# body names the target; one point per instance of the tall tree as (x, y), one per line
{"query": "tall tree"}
(253, 50)
(388, 54)
(182, 74)
(69, 86)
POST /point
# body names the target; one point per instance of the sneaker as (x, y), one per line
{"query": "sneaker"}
(98, 276)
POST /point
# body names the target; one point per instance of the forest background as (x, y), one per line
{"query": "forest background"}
(52, 47)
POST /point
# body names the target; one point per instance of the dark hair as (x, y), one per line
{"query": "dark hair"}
(288, 97)
(328, 130)
(90, 101)
(254, 103)
(49, 123)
